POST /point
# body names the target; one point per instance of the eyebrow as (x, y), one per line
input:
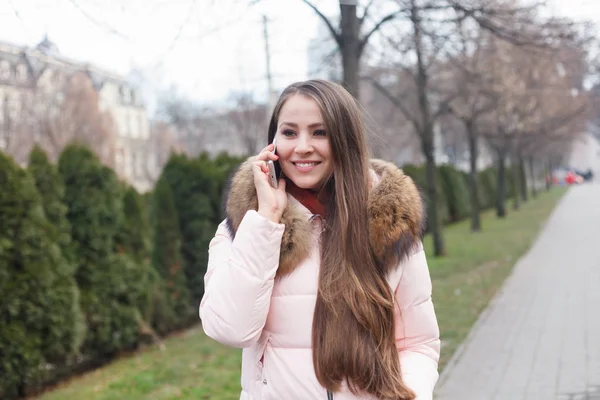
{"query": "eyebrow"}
(293, 125)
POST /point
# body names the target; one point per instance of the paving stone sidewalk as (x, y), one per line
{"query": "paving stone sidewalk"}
(540, 337)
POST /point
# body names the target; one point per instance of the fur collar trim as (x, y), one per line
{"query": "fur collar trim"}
(396, 216)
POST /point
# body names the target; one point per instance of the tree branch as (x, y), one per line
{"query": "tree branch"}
(332, 30)
(377, 26)
(444, 106)
(365, 14)
(394, 101)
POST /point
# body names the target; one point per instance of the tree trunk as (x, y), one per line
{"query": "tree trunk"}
(426, 134)
(514, 168)
(532, 178)
(473, 184)
(350, 48)
(501, 194)
(549, 174)
(523, 179)
(433, 218)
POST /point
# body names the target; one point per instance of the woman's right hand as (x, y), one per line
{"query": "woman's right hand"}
(271, 201)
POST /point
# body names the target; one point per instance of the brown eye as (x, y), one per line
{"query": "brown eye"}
(288, 132)
(320, 132)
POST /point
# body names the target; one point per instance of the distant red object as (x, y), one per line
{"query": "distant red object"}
(563, 176)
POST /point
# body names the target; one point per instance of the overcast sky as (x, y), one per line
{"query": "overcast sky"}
(208, 48)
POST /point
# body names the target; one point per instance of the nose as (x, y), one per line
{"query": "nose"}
(303, 144)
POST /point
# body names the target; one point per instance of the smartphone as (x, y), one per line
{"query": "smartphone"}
(271, 165)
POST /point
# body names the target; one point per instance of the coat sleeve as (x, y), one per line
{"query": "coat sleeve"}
(417, 331)
(239, 280)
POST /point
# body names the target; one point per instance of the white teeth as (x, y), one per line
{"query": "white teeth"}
(306, 164)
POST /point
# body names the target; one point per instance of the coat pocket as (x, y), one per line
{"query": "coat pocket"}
(260, 377)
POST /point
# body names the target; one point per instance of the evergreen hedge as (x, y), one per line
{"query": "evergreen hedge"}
(175, 310)
(193, 187)
(88, 265)
(62, 343)
(488, 187)
(197, 185)
(106, 280)
(456, 193)
(35, 304)
(418, 174)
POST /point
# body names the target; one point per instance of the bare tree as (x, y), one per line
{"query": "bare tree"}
(538, 102)
(423, 44)
(79, 118)
(162, 143)
(416, 47)
(472, 100)
(249, 121)
(390, 132)
(187, 120)
(349, 37)
(55, 116)
(14, 133)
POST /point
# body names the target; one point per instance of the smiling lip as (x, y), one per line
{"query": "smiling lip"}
(305, 166)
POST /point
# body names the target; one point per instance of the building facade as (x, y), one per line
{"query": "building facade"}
(33, 84)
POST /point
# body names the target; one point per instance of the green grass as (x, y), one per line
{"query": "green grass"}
(195, 367)
(192, 367)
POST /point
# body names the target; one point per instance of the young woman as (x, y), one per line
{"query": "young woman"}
(323, 280)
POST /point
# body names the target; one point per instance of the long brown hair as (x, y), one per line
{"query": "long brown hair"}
(353, 326)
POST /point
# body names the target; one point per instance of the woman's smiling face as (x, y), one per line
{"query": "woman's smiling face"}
(302, 143)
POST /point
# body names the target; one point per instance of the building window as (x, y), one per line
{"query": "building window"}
(135, 164)
(152, 162)
(139, 167)
(127, 127)
(126, 163)
(21, 73)
(119, 160)
(132, 125)
(4, 70)
(126, 95)
(13, 107)
(142, 127)
(5, 127)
